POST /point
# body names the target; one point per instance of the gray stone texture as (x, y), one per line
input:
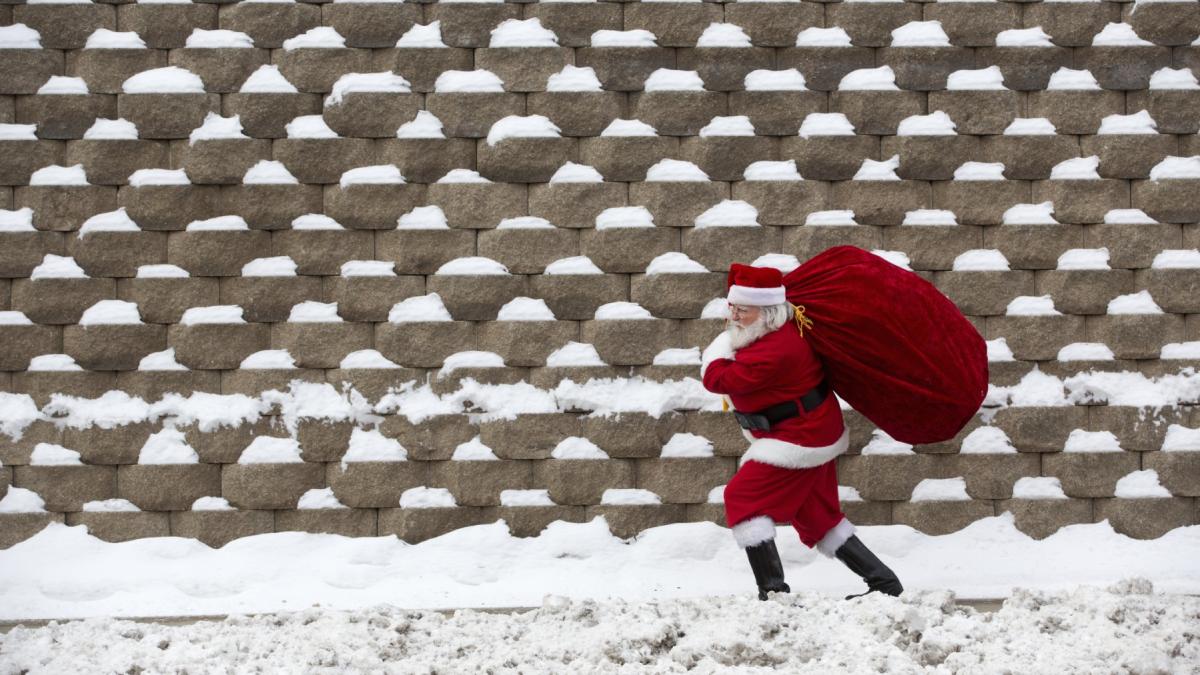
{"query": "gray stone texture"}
(217, 253)
(315, 70)
(625, 158)
(932, 247)
(122, 526)
(829, 158)
(17, 527)
(167, 487)
(169, 207)
(479, 482)
(476, 297)
(525, 160)
(472, 114)
(628, 342)
(267, 25)
(324, 160)
(676, 296)
(24, 251)
(684, 480)
(524, 69)
(374, 484)
(1137, 336)
(466, 25)
(525, 343)
(269, 486)
(271, 207)
(59, 300)
(224, 444)
(42, 385)
(628, 520)
(678, 113)
(1169, 200)
(217, 346)
(574, 23)
(371, 25)
(417, 525)
(268, 299)
(985, 293)
(266, 114)
(772, 25)
(432, 438)
(222, 70)
(1125, 67)
(345, 522)
(581, 482)
(111, 162)
(724, 68)
(24, 71)
(166, 116)
(217, 528)
(973, 24)
(980, 202)
(64, 116)
(63, 208)
(624, 68)
(371, 114)
(67, 488)
(575, 297)
(1040, 518)
(941, 517)
(66, 26)
(1025, 68)
(21, 158)
(113, 346)
(117, 254)
(423, 344)
(1083, 291)
(421, 66)
(370, 298)
(577, 113)
(1146, 518)
(530, 521)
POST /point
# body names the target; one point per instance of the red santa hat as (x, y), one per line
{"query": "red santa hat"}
(760, 286)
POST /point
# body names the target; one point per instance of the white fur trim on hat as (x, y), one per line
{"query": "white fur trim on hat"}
(834, 538)
(761, 297)
(754, 531)
(792, 456)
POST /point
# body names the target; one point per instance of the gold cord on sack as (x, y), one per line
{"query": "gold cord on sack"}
(802, 321)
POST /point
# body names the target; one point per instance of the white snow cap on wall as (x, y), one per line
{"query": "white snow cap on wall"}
(468, 81)
(674, 170)
(422, 36)
(462, 176)
(1030, 126)
(169, 80)
(212, 314)
(111, 130)
(55, 363)
(380, 174)
(19, 36)
(369, 445)
(522, 126)
(320, 37)
(1141, 485)
(423, 218)
(1077, 168)
(218, 39)
(112, 221)
(1081, 440)
(472, 265)
(1138, 123)
(1024, 37)
(623, 127)
(1174, 78)
(216, 127)
(666, 79)
(57, 267)
(368, 268)
(1134, 303)
(624, 216)
(161, 272)
(1173, 350)
(49, 454)
(1031, 305)
(315, 221)
(826, 124)
(723, 35)
(883, 444)
(624, 38)
(111, 312)
(835, 36)
(768, 170)
(980, 171)
(1084, 259)
(922, 217)
(103, 38)
(525, 309)
(167, 447)
(424, 125)
(579, 264)
(920, 34)
(774, 80)
(269, 172)
(319, 498)
(628, 497)
(572, 78)
(1176, 259)
(728, 213)
(983, 79)
(1176, 168)
(1085, 351)
(941, 490)
(621, 310)
(734, 125)
(987, 440)
(364, 359)
(882, 78)
(574, 354)
(149, 177)
(519, 498)
(267, 80)
(873, 170)
(419, 308)
(427, 498)
(22, 500)
(571, 172)
(1030, 214)
(65, 86)
(784, 262)
(522, 33)
(826, 218)
(271, 450)
(18, 132)
(311, 311)
(936, 123)
(159, 361)
(678, 356)
(309, 126)
(1067, 79)
(1181, 439)
(577, 447)
(59, 175)
(20, 220)
(674, 262)
(687, 445)
(1038, 487)
(1119, 35)
(473, 451)
(981, 260)
(274, 266)
(350, 83)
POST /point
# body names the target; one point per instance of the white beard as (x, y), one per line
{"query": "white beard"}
(741, 336)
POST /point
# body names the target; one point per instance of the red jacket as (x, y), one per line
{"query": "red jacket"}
(778, 367)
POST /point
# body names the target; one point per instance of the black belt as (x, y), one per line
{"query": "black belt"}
(764, 419)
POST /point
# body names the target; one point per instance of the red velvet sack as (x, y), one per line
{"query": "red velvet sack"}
(893, 346)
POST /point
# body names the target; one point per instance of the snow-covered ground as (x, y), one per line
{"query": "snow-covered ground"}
(673, 598)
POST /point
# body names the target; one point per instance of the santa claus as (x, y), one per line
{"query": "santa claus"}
(764, 367)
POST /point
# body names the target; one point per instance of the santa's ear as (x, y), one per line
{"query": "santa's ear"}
(720, 348)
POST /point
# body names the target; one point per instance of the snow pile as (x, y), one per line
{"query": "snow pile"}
(628, 497)
(873, 170)
(110, 506)
(768, 170)
(882, 78)
(1092, 441)
(427, 498)
(267, 80)
(1023, 37)
(268, 359)
(1176, 259)
(311, 311)
(372, 446)
(674, 262)
(468, 81)
(1181, 439)
(1172, 78)
(473, 451)
(381, 174)
(1038, 487)
(987, 441)
(275, 266)
(319, 498)
(368, 268)
(365, 359)
(103, 38)
(57, 267)
(1176, 168)
(784, 262)
(218, 314)
(1138, 123)
(1077, 168)
(723, 35)
(321, 37)
(423, 218)
(623, 38)
(883, 444)
(472, 265)
(1085, 351)
(666, 79)
(269, 172)
(937, 123)
(164, 360)
(113, 221)
(1119, 35)
(1141, 485)
(111, 312)
(1067, 79)
(271, 450)
(520, 498)
(678, 356)
(1030, 126)
(19, 36)
(979, 171)
(687, 445)
(148, 177)
(462, 176)
(167, 447)
(216, 127)
(59, 175)
(1029, 305)
(53, 363)
(65, 86)
(218, 39)
(728, 213)
(984, 79)
(169, 80)
(309, 126)
(20, 220)
(111, 130)
(834, 36)
(576, 173)
(578, 264)
(574, 354)
(674, 170)
(941, 490)
(920, 34)
(526, 33)
(623, 127)
(385, 82)
(419, 308)
(838, 218)
(525, 309)
(1083, 259)
(1030, 214)
(422, 36)
(49, 454)
(613, 311)
(1134, 303)
(928, 217)
(522, 126)
(571, 78)
(624, 216)
(735, 125)
(774, 80)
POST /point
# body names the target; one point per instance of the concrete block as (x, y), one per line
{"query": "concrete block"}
(266, 115)
(624, 68)
(625, 158)
(581, 482)
(1040, 429)
(1125, 67)
(524, 69)
(1025, 68)
(1040, 518)
(1076, 111)
(466, 25)
(1177, 111)
(674, 24)
(881, 202)
(271, 207)
(67, 488)
(718, 247)
(776, 113)
(868, 513)
(24, 71)
(423, 251)
(930, 157)
(314, 70)
(1136, 336)
(725, 158)
(24, 251)
(223, 161)
(42, 385)
(1179, 472)
(1038, 338)
(14, 451)
(443, 383)
(677, 203)
(575, 23)
(267, 25)
(163, 26)
(217, 346)
(932, 247)
(631, 435)
(1175, 290)
(1166, 25)
(575, 297)
(525, 343)
(371, 25)
(829, 158)
(17, 527)
(627, 521)
(63, 208)
(571, 205)
(113, 347)
(344, 522)
(472, 114)
(421, 66)
(363, 206)
(525, 160)
(122, 526)
(676, 296)
(720, 429)
(548, 377)
(1033, 246)
(168, 207)
(433, 438)
(254, 381)
(119, 444)
(64, 116)
(678, 113)
(1146, 518)
(1089, 474)
(772, 25)
(269, 486)
(370, 298)
(224, 444)
(1169, 200)
(425, 160)
(476, 297)
(885, 477)
(1128, 156)
(684, 480)
(528, 436)
(217, 253)
(871, 26)
(1083, 291)
(783, 202)
(117, 254)
(166, 116)
(105, 70)
(1136, 430)
(111, 162)
(324, 160)
(528, 251)
(20, 159)
(1029, 157)
(374, 484)
(980, 202)
(371, 114)
(724, 68)
(222, 70)
(925, 68)
(417, 525)
(1070, 25)
(578, 113)
(809, 240)
(1082, 201)
(530, 521)
(978, 112)
(372, 383)
(479, 482)
(322, 252)
(66, 26)
(164, 300)
(152, 385)
(629, 342)
(992, 476)
(59, 301)
(941, 517)
(479, 205)
(167, 487)
(217, 528)
(974, 24)
(824, 67)
(321, 345)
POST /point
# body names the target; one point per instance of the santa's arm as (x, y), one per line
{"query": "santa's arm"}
(721, 373)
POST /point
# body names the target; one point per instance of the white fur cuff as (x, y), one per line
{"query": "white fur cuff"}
(754, 531)
(720, 348)
(787, 455)
(834, 538)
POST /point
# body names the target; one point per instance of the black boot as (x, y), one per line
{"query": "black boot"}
(861, 561)
(768, 570)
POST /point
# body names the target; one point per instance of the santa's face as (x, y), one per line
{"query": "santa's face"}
(746, 324)
(744, 315)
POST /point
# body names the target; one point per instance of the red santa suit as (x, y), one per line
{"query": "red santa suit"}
(788, 474)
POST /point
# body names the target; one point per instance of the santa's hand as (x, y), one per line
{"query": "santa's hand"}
(720, 348)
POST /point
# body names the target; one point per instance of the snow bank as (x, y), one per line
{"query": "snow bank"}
(422, 36)
(267, 80)
(525, 309)
(623, 127)
(522, 126)
(275, 266)
(571, 78)
(59, 85)
(469, 81)
(419, 308)
(112, 221)
(385, 82)
(1030, 126)
(623, 38)
(666, 79)
(675, 262)
(522, 33)
(169, 80)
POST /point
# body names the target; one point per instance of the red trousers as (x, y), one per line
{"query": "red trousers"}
(806, 498)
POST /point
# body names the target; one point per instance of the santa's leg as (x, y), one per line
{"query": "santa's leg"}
(748, 508)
